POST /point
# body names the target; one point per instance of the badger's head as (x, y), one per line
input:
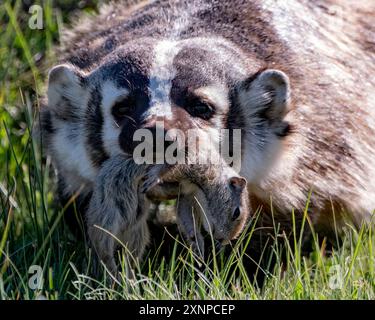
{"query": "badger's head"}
(205, 84)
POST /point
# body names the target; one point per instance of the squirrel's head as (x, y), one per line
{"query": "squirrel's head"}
(223, 203)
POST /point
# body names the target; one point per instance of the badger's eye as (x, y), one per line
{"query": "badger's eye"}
(123, 108)
(202, 110)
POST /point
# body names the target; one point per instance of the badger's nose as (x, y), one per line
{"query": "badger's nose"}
(236, 214)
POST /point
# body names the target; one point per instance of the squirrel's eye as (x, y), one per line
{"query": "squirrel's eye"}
(123, 108)
(202, 110)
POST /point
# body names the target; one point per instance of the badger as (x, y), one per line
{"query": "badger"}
(296, 77)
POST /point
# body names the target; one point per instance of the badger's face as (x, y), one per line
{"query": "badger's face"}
(202, 84)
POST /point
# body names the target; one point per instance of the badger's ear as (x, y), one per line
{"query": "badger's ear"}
(267, 95)
(66, 90)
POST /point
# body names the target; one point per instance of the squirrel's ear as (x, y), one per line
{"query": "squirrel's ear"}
(266, 95)
(66, 89)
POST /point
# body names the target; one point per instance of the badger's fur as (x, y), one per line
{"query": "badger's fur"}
(296, 76)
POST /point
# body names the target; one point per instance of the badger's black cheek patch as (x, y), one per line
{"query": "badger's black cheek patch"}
(126, 137)
(94, 128)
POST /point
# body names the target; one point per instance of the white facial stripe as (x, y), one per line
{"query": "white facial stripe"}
(111, 130)
(161, 75)
(72, 154)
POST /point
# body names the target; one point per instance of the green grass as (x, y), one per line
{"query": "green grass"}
(32, 231)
